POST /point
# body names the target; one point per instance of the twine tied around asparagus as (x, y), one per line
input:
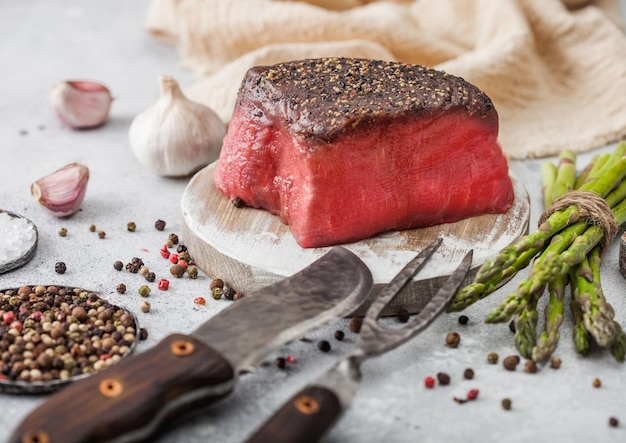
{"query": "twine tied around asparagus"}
(592, 208)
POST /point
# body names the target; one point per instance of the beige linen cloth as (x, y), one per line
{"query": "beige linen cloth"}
(556, 75)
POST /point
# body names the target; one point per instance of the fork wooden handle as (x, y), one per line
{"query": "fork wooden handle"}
(304, 418)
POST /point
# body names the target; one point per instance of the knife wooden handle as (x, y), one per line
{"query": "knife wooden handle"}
(304, 418)
(131, 397)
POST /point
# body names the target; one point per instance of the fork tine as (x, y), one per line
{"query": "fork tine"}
(398, 283)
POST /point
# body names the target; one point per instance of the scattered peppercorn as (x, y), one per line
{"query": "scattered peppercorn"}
(403, 315)
(237, 202)
(62, 232)
(199, 301)
(443, 378)
(511, 362)
(355, 324)
(173, 238)
(131, 226)
(118, 265)
(290, 359)
(60, 267)
(227, 292)
(429, 382)
(463, 319)
(92, 228)
(530, 366)
(473, 394)
(144, 290)
(453, 339)
(143, 271)
(101, 234)
(506, 404)
(177, 270)
(159, 225)
(143, 334)
(492, 358)
(237, 296)
(323, 346)
(216, 293)
(150, 276)
(512, 326)
(181, 248)
(280, 362)
(145, 307)
(121, 288)
(613, 422)
(468, 374)
(163, 284)
(597, 383)
(133, 267)
(174, 258)
(192, 272)
(555, 362)
(216, 283)
(339, 335)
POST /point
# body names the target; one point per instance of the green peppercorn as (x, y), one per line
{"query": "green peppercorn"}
(144, 290)
(216, 293)
(192, 272)
(131, 226)
(492, 358)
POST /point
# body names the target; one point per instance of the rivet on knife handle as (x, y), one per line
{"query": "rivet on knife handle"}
(131, 397)
(304, 418)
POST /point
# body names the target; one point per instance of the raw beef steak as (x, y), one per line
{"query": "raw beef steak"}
(343, 149)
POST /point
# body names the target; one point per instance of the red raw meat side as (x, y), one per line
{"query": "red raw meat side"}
(386, 174)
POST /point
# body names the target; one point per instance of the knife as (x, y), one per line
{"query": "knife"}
(130, 399)
(307, 416)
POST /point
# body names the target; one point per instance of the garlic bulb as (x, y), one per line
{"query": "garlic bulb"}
(80, 104)
(176, 136)
(62, 192)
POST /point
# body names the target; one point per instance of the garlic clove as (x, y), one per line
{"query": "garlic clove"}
(80, 104)
(62, 192)
(176, 136)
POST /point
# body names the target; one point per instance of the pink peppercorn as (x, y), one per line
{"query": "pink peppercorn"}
(472, 394)
(37, 315)
(183, 263)
(174, 258)
(17, 325)
(8, 317)
(163, 284)
(199, 301)
(429, 382)
(290, 359)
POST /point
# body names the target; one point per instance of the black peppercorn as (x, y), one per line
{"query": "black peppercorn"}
(443, 378)
(463, 319)
(118, 265)
(143, 333)
(150, 276)
(173, 238)
(403, 315)
(280, 362)
(323, 346)
(121, 288)
(181, 248)
(613, 422)
(468, 374)
(339, 335)
(237, 202)
(159, 225)
(511, 362)
(60, 268)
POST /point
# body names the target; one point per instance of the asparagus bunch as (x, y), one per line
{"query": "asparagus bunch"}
(565, 251)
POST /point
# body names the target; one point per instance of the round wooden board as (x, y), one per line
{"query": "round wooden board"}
(251, 248)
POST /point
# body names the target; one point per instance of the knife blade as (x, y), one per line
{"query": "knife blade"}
(130, 399)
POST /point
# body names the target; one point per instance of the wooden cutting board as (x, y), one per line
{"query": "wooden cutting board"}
(251, 248)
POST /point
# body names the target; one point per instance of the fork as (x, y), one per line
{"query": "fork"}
(308, 415)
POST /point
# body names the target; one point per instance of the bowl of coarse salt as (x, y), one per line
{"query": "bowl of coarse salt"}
(19, 240)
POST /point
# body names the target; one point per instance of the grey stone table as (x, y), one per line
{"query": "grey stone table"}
(43, 42)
